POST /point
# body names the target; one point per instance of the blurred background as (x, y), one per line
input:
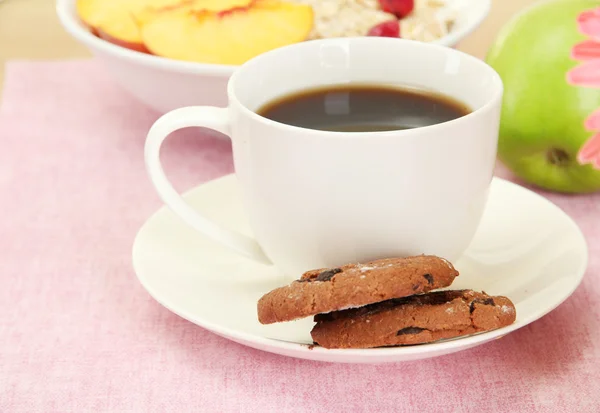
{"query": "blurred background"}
(29, 29)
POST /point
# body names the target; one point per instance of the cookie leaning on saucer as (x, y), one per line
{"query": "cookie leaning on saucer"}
(354, 285)
(414, 320)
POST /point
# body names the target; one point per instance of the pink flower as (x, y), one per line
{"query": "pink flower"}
(587, 74)
(586, 50)
(590, 152)
(592, 123)
(588, 23)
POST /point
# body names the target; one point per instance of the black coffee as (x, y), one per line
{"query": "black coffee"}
(363, 108)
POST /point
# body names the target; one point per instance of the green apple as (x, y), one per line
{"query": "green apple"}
(543, 115)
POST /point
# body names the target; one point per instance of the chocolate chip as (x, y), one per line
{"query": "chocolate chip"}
(410, 330)
(324, 276)
(328, 275)
(429, 278)
(489, 301)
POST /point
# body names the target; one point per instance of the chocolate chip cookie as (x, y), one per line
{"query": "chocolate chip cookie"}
(355, 285)
(416, 319)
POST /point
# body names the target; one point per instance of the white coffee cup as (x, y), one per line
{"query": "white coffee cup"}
(319, 199)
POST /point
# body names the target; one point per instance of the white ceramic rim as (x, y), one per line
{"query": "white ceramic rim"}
(494, 102)
(374, 354)
(68, 18)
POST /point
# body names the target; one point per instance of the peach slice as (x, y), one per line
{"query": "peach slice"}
(115, 20)
(186, 6)
(119, 21)
(230, 37)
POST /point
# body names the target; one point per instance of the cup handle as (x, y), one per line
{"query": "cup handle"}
(203, 116)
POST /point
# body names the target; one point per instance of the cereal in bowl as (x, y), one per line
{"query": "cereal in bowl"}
(234, 31)
(423, 20)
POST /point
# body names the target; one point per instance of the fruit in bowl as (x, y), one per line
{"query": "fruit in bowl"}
(120, 22)
(174, 53)
(208, 31)
(234, 31)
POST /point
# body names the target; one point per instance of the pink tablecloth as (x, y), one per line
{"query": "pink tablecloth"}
(79, 334)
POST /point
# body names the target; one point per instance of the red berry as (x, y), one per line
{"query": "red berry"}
(386, 29)
(399, 8)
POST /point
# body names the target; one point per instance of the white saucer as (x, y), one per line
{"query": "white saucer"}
(526, 249)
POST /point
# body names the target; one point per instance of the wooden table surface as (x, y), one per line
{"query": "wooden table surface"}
(29, 29)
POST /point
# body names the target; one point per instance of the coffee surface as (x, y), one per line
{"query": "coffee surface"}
(363, 108)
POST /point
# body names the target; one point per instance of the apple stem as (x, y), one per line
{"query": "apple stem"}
(558, 157)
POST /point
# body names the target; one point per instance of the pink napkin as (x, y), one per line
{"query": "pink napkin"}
(79, 334)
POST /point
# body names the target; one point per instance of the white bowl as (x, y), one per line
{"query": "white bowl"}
(167, 84)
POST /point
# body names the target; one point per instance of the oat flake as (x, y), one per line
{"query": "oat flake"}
(429, 21)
